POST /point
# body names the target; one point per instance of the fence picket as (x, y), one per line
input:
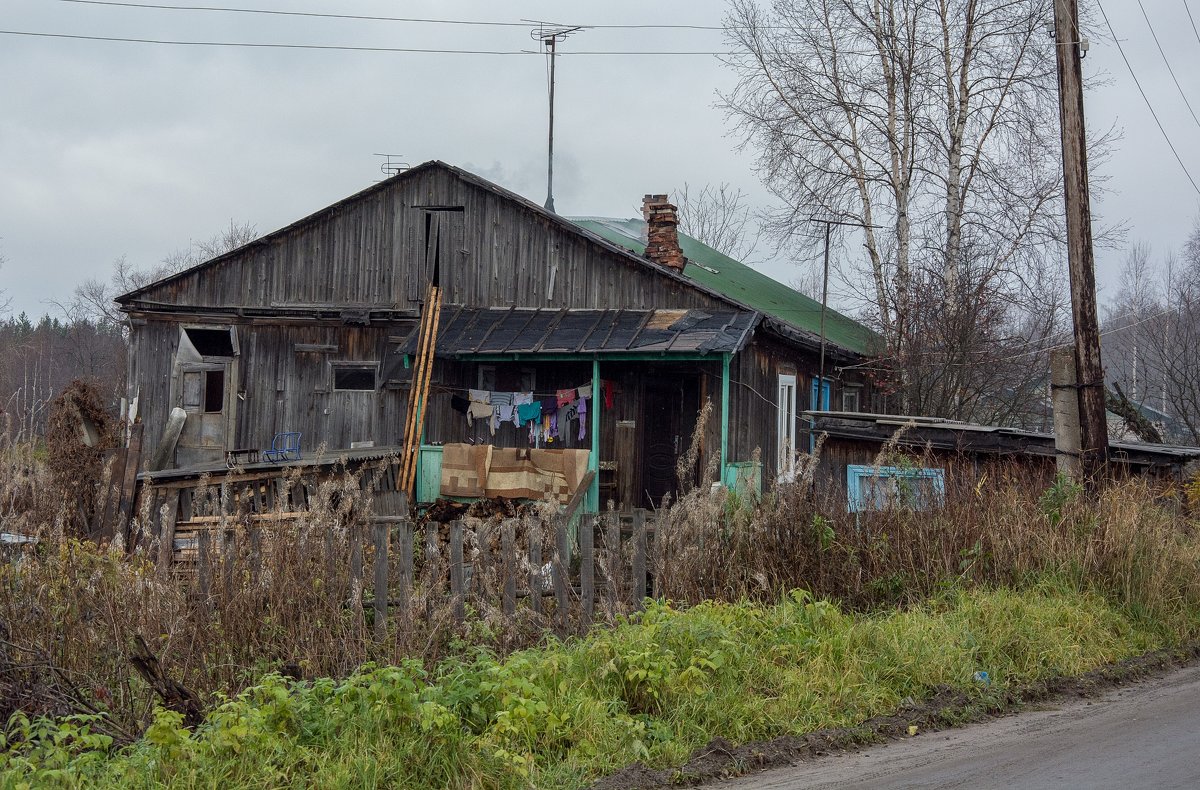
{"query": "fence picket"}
(587, 568)
(356, 567)
(562, 562)
(639, 558)
(508, 567)
(404, 546)
(381, 579)
(612, 545)
(535, 569)
(456, 570)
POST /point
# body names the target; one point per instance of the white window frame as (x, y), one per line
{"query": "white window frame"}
(785, 425)
(848, 391)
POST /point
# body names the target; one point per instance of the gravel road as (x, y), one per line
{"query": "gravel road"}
(1141, 735)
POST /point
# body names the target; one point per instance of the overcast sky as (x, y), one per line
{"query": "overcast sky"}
(111, 149)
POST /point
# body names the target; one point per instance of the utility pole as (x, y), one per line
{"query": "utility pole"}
(550, 37)
(1088, 368)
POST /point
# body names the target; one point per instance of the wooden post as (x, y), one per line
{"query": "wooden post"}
(456, 570)
(133, 457)
(356, 568)
(1089, 372)
(639, 557)
(562, 562)
(508, 567)
(431, 566)
(587, 568)
(381, 579)
(612, 542)
(204, 563)
(228, 562)
(1065, 405)
(404, 545)
(535, 569)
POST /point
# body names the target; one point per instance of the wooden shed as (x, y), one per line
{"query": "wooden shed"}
(312, 330)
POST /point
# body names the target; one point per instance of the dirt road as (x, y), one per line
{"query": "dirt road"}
(1142, 735)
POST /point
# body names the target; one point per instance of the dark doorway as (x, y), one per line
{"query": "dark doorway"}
(670, 405)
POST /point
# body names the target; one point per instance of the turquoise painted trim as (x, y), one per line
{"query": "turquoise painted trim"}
(725, 409)
(662, 356)
(593, 497)
(857, 500)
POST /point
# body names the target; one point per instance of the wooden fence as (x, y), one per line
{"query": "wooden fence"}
(567, 573)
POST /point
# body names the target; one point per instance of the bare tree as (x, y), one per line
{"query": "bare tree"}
(93, 299)
(719, 216)
(924, 122)
(1151, 337)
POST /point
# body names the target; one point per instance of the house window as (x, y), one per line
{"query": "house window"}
(214, 390)
(212, 341)
(850, 399)
(786, 426)
(884, 487)
(354, 376)
(823, 404)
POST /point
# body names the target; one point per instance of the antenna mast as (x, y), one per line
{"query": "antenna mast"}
(550, 35)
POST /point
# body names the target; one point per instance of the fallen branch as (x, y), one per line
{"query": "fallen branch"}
(174, 695)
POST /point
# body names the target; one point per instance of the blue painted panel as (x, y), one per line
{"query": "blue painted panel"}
(880, 487)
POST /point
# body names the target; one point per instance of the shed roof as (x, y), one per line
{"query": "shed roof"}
(942, 433)
(466, 331)
(734, 279)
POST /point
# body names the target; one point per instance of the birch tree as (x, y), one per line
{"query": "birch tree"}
(932, 126)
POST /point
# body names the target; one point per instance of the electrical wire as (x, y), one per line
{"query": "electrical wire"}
(1170, 70)
(343, 48)
(1145, 98)
(363, 17)
(1193, 21)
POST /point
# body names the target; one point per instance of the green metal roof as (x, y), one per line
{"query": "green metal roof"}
(740, 282)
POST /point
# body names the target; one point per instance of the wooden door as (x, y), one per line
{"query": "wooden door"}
(205, 395)
(669, 409)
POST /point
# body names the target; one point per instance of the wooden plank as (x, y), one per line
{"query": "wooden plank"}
(579, 497)
(133, 458)
(612, 544)
(639, 558)
(456, 570)
(404, 570)
(381, 580)
(508, 567)
(587, 569)
(229, 557)
(562, 560)
(431, 566)
(204, 563)
(166, 530)
(356, 567)
(535, 569)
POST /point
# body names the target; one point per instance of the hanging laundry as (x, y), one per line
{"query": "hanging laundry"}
(566, 414)
(582, 414)
(585, 391)
(563, 397)
(549, 405)
(553, 432)
(520, 399)
(459, 403)
(503, 403)
(546, 427)
(530, 412)
(608, 388)
(480, 396)
(481, 411)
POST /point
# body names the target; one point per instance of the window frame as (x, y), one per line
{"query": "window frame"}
(785, 425)
(360, 365)
(857, 473)
(856, 392)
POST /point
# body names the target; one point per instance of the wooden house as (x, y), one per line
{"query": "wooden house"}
(865, 459)
(311, 329)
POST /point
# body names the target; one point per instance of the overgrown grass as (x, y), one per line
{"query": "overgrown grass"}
(653, 688)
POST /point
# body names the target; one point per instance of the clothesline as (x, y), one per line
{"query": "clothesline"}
(549, 417)
(535, 394)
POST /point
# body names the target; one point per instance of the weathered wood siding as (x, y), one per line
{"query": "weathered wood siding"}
(370, 250)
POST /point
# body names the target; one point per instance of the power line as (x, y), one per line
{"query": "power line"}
(367, 18)
(1170, 70)
(346, 48)
(1193, 21)
(1146, 99)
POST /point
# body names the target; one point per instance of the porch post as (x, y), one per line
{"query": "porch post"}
(593, 496)
(724, 413)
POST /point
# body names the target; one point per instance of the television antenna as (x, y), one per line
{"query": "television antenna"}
(550, 35)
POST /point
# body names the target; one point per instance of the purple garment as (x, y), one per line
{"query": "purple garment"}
(582, 418)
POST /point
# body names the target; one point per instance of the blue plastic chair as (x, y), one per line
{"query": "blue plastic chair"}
(284, 447)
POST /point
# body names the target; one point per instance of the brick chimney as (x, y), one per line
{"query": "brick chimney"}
(662, 235)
